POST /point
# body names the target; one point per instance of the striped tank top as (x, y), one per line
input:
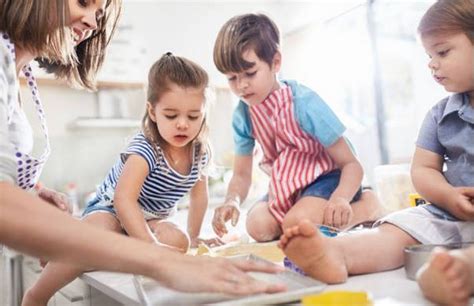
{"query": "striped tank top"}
(163, 186)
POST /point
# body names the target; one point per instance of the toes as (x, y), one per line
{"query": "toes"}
(441, 259)
(307, 228)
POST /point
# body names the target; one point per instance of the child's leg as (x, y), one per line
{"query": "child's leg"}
(312, 208)
(367, 208)
(169, 234)
(448, 278)
(261, 224)
(331, 260)
(56, 275)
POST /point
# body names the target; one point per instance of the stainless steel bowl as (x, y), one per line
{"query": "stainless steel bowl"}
(416, 255)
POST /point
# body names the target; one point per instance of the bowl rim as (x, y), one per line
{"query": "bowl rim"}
(427, 248)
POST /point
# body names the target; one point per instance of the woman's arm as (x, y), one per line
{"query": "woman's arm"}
(197, 208)
(25, 225)
(126, 195)
(69, 240)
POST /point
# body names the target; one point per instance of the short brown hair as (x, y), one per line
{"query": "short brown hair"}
(168, 70)
(449, 16)
(31, 26)
(240, 33)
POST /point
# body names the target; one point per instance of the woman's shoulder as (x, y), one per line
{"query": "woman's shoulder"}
(7, 67)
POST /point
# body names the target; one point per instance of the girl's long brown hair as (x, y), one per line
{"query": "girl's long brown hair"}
(168, 70)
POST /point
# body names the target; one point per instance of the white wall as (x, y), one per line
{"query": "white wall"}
(187, 28)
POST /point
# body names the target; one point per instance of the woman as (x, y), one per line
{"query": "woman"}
(68, 38)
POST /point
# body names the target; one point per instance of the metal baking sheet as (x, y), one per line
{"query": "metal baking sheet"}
(151, 292)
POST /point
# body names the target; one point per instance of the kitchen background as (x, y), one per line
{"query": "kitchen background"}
(362, 57)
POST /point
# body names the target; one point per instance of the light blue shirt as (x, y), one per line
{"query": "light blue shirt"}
(312, 113)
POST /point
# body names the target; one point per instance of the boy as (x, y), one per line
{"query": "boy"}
(313, 171)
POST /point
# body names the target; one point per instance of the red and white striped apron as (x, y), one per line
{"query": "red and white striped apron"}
(291, 157)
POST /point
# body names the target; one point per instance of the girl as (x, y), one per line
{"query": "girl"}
(445, 138)
(69, 38)
(161, 164)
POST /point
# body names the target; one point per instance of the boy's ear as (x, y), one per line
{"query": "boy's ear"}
(276, 63)
(151, 111)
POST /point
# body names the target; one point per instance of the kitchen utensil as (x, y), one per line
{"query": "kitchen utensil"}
(152, 293)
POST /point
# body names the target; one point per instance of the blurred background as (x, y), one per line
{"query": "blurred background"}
(362, 57)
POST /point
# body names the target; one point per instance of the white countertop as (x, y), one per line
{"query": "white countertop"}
(386, 288)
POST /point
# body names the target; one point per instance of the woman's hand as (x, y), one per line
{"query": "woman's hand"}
(56, 198)
(213, 242)
(211, 274)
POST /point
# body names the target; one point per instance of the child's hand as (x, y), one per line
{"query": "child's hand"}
(224, 213)
(58, 199)
(213, 242)
(462, 203)
(338, 213)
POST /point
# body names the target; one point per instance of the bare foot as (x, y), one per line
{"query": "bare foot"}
(448, 277)
(316, 255)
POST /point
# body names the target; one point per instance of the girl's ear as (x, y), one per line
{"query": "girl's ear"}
(276, 62)
(151, 111)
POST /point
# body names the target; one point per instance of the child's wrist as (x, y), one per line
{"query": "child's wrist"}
(232, 201)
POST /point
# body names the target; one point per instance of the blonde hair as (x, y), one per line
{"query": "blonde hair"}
(168, 70)
(449, 16)
(241, 33)
(40, 27)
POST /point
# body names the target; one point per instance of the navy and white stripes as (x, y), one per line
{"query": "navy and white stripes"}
(163, 186)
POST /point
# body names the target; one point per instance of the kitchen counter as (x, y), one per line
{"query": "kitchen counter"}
(386, 288)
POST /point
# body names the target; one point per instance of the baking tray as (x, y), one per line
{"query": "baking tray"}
(151, 292)
(416, 255)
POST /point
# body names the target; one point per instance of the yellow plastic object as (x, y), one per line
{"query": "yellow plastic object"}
(338, 298)
(416, 199)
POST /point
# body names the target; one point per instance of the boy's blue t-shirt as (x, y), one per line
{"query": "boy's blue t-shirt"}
(447, 130)
(312, 113)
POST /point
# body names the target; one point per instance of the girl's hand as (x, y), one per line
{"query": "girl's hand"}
(213, 242)
(338, 213)
(224, 213)
(462, 203)
(58, 199)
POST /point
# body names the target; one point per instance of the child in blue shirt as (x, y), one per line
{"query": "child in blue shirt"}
(313, 171)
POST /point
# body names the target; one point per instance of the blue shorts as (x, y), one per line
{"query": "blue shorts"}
(323, 187)
(95, 205)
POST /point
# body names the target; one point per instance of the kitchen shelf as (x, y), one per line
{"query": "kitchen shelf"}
(94, 122)
(46, 81)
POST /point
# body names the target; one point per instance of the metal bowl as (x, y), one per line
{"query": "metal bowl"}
(416, 255)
